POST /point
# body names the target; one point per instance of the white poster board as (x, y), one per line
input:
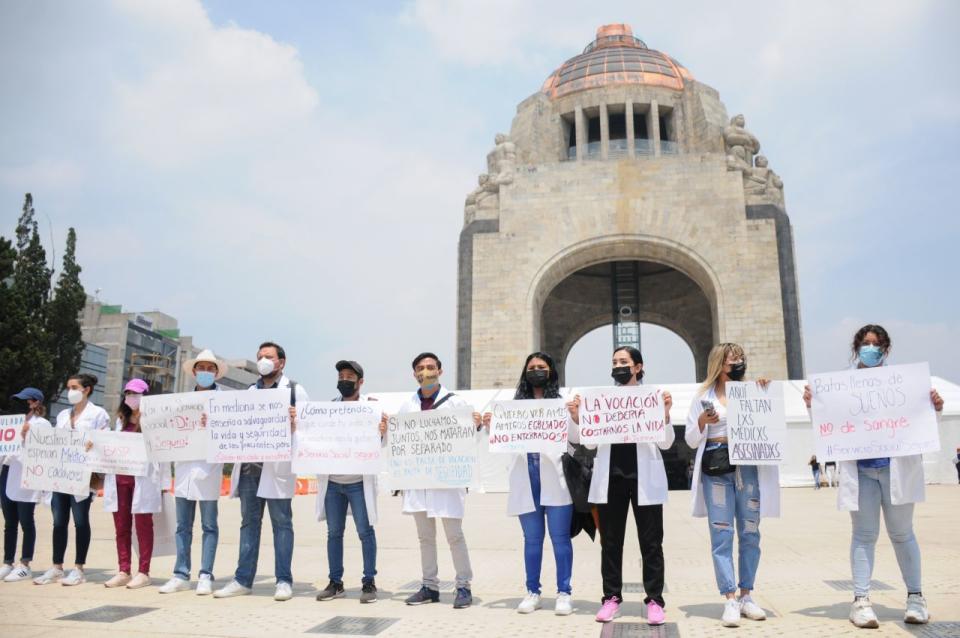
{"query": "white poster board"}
(337, 437)
(10, 440)
(623, 414)
(54, 460)
(171, 424)
(251, 426)
(756, 423)
(118, 453)
(529, 426)
(873, 413)
(432, 449)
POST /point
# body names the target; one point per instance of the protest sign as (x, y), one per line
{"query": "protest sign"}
(171, 424)
(54, 460)
(337, 437)
(529, 426)
(118, 453)
(873, 413)
(251, 426)
(623, 414)
(10, 440)
(432, 449)
(756, 423)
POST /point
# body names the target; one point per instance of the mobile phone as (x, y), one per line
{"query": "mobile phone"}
(707, 407)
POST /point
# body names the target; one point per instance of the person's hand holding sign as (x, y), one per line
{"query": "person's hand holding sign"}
(573, 407)
(383, 424)
(293, 419)
(936, 399)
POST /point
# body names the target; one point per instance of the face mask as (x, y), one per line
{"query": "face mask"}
(622, 375)
(205, 378)
(74, 396)
(132, 401)
(537, 378)
(737, 371)
(346, 388)
(265, 367)
(428, 379)
(870, 355)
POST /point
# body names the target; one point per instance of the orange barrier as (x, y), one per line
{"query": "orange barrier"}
(225, 486)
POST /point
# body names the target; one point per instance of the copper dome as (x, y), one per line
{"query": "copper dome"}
(615, 57)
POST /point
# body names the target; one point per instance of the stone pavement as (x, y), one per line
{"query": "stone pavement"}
(803, 582)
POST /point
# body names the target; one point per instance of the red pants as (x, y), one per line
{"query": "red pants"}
(123, 522)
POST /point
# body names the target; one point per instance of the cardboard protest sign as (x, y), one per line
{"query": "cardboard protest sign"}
(432, 449)
(529, 426)
(10, 440)
(172, 426)
(337, 437)
(623, 414)
(249, 426)
(54, 460)
(118, 453)
(756, 423)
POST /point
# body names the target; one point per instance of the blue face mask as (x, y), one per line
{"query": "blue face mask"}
(205, 379)
(870, 356)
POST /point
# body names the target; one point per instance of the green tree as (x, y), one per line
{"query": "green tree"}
(10, 316)
(63, 321)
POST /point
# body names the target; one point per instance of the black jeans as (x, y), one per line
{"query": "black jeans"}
(16, 514)
(621, 494)
(63, 504)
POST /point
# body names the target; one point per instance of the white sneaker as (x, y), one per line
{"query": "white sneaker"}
(5, 571)
(52, 575)
(284, 592)
(750, 609)
(20, 572)
(861, 614)
(731, 613)
(916, 613)
(530, 603)
(174, 585)
(204, 585)
(232, 589)
(75, 577)
(564, 606)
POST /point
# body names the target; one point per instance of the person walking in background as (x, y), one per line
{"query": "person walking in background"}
(830, 469)
(815, 468)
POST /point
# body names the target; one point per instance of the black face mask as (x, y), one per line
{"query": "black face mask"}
(622, 375)
(737, 371)
(537, 378)
(347, 388)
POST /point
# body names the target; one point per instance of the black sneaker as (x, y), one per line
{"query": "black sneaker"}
(464, 598)
(332, 590)
(368, 594)
(424, 596)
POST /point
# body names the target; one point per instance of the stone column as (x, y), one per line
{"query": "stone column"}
(604, 132)
(654, 127)
(628, 114)
(581, 133)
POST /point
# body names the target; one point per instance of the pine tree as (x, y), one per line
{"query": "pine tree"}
(65, 343)
(10, 316)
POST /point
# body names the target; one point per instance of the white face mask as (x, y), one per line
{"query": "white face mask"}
(74, 396)
(265, 367)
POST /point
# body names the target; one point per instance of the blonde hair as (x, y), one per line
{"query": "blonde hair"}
(716, 361)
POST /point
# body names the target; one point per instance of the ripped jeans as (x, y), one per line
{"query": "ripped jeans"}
(734, 498)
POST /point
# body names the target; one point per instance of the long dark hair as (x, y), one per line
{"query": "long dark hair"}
(862, 334)
(550, 391)
(635, 356)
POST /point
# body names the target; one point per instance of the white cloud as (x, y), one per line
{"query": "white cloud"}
(41, 174)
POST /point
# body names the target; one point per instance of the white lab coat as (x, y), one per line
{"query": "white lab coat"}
(93, 417)
(651, 472)
(437, 503)
(147, 491)
(768, 475)
(198, 480)
(15, 473)
(277, 479)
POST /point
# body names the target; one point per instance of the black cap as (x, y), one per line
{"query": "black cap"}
(350, 365)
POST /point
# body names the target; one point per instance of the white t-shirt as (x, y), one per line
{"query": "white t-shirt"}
(719, 429)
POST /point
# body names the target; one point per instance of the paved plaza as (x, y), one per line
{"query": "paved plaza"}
(803, 582)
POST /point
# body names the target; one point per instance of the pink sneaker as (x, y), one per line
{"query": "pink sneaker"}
(609, 610)
(655, 615)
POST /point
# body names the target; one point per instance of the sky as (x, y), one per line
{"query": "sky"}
(295, 171)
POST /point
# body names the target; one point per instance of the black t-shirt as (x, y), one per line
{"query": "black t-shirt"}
(623, 460)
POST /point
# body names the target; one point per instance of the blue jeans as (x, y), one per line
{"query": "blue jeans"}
(734, 498)
(558, 518)
(251, 521)
(186, 512)
(335, 503)
(874, 495)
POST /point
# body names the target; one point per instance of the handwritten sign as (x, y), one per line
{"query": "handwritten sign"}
(118, 453)
(172, 425)
(54, 460)
(529, 426)
(337, 437)
(10, 426)
(625, 414)
(249, 427)
(873, 413)
(432, 449)
(756, 423)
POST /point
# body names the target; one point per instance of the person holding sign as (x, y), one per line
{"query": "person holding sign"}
(268, 485)
(539, 492)
(18, 503)
(337, 492)
(83, 415)
(729, 494)
(197, 482)
(892, 485)
(133, 500)
(428, 505)
(629, 475)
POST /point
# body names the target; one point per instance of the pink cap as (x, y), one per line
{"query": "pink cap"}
(138, 386)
